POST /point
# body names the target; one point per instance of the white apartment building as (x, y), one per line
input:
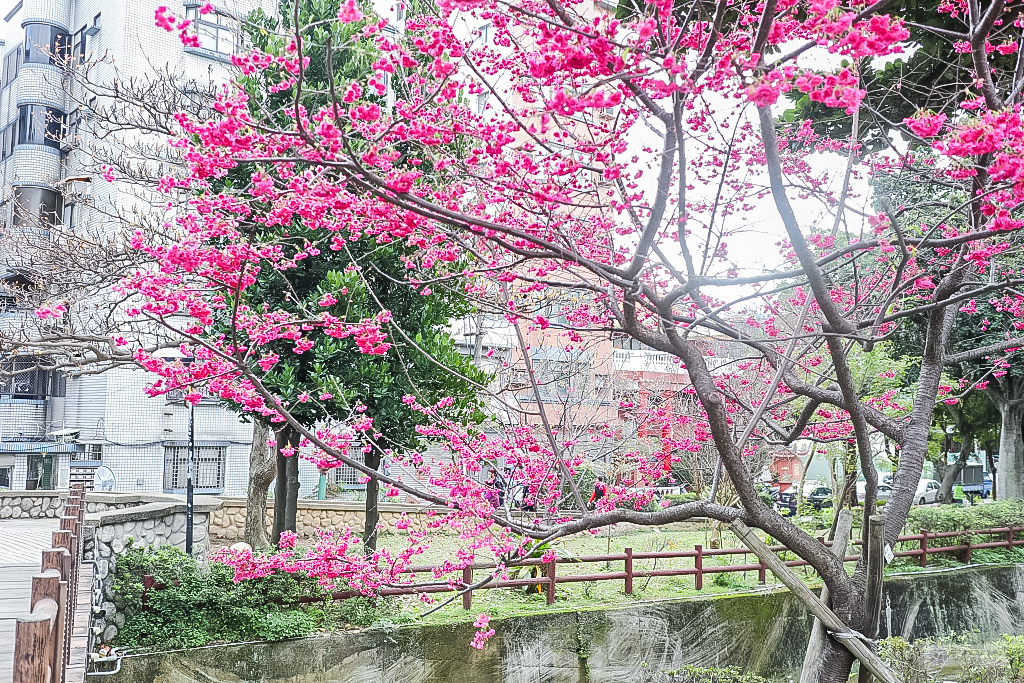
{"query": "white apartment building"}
(55, 431)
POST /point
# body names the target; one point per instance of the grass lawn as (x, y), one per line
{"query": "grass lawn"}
(599, 594)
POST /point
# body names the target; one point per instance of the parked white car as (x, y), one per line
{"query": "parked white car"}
(927, 491)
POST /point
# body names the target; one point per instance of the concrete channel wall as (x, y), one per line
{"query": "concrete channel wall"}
(761, 632)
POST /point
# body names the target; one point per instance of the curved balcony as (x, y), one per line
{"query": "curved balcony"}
(39, 84)
(56, 12)
(34, 165)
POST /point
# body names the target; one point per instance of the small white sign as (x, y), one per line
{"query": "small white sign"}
(887, 553)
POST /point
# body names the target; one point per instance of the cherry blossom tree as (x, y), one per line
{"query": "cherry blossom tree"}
(627, 159)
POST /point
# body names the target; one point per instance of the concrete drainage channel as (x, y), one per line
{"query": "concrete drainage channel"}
(756, 632)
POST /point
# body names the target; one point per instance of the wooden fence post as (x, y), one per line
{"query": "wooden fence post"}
(698, 564)
(760, 571)
(924, 548)
(467, 580)
(33, 643)
(59, 559)
(874, 555)
(844, 526)
(1009, 538)
(551, 582)
(629, 571)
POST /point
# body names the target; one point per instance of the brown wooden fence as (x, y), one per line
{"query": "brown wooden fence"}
(545, 576)
(42, 641)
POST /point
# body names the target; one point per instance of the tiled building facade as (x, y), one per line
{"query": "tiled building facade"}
(55, 431)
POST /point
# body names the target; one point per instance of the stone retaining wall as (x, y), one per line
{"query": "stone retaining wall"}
(229, 521)
(26, 504)
(156, 523)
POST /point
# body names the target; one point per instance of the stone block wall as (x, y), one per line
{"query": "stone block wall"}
(101, 502)
(229, 521)
(31, 504)
(154, 524)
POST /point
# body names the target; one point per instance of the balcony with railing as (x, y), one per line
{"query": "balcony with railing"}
(633, 360)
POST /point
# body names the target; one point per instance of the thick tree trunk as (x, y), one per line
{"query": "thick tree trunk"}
(372, 512)
(262, 467)
(1011, 452)
(286, 488)
(953, 471)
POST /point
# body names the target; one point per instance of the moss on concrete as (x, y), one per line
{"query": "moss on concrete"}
(760, 632)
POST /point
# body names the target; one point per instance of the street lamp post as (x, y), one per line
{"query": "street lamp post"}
(191, 476)
(191, 469)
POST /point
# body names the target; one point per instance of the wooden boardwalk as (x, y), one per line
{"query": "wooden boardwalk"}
(21, 546)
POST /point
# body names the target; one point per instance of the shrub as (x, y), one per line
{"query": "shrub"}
(699, 674)
(1013, 650)
(186, 605)
(908, 660)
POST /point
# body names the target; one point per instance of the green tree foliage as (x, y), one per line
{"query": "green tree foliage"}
(365, 277)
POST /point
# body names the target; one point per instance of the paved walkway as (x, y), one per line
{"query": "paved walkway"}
(21, 545)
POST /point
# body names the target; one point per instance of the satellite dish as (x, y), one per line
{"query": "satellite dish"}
(104, 479)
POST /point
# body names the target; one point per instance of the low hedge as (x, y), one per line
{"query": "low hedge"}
(1001, 513)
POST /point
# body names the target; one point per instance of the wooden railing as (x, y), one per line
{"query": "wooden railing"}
(42, 641)
(546, 577)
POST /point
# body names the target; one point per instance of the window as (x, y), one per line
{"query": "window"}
(78, 41)
(26, 379)
(11, 63)
(208, 470)
(345, 476)
(217, 31)
(45, 44)
(481, 102)
(37, 207)
(7, 139)
(557, 379)
(40, 125)
(5, 477)
(624, 341)
(71, 123)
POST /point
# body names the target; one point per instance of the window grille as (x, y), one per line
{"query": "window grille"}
(208, 472)
(346, 476)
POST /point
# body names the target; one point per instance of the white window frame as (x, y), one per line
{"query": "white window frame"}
(217, 26)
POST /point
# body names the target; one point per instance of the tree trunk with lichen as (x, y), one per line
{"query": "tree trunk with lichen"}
(262, 468)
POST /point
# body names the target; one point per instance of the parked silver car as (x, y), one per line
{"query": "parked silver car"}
(927, 491)
(884, 491)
